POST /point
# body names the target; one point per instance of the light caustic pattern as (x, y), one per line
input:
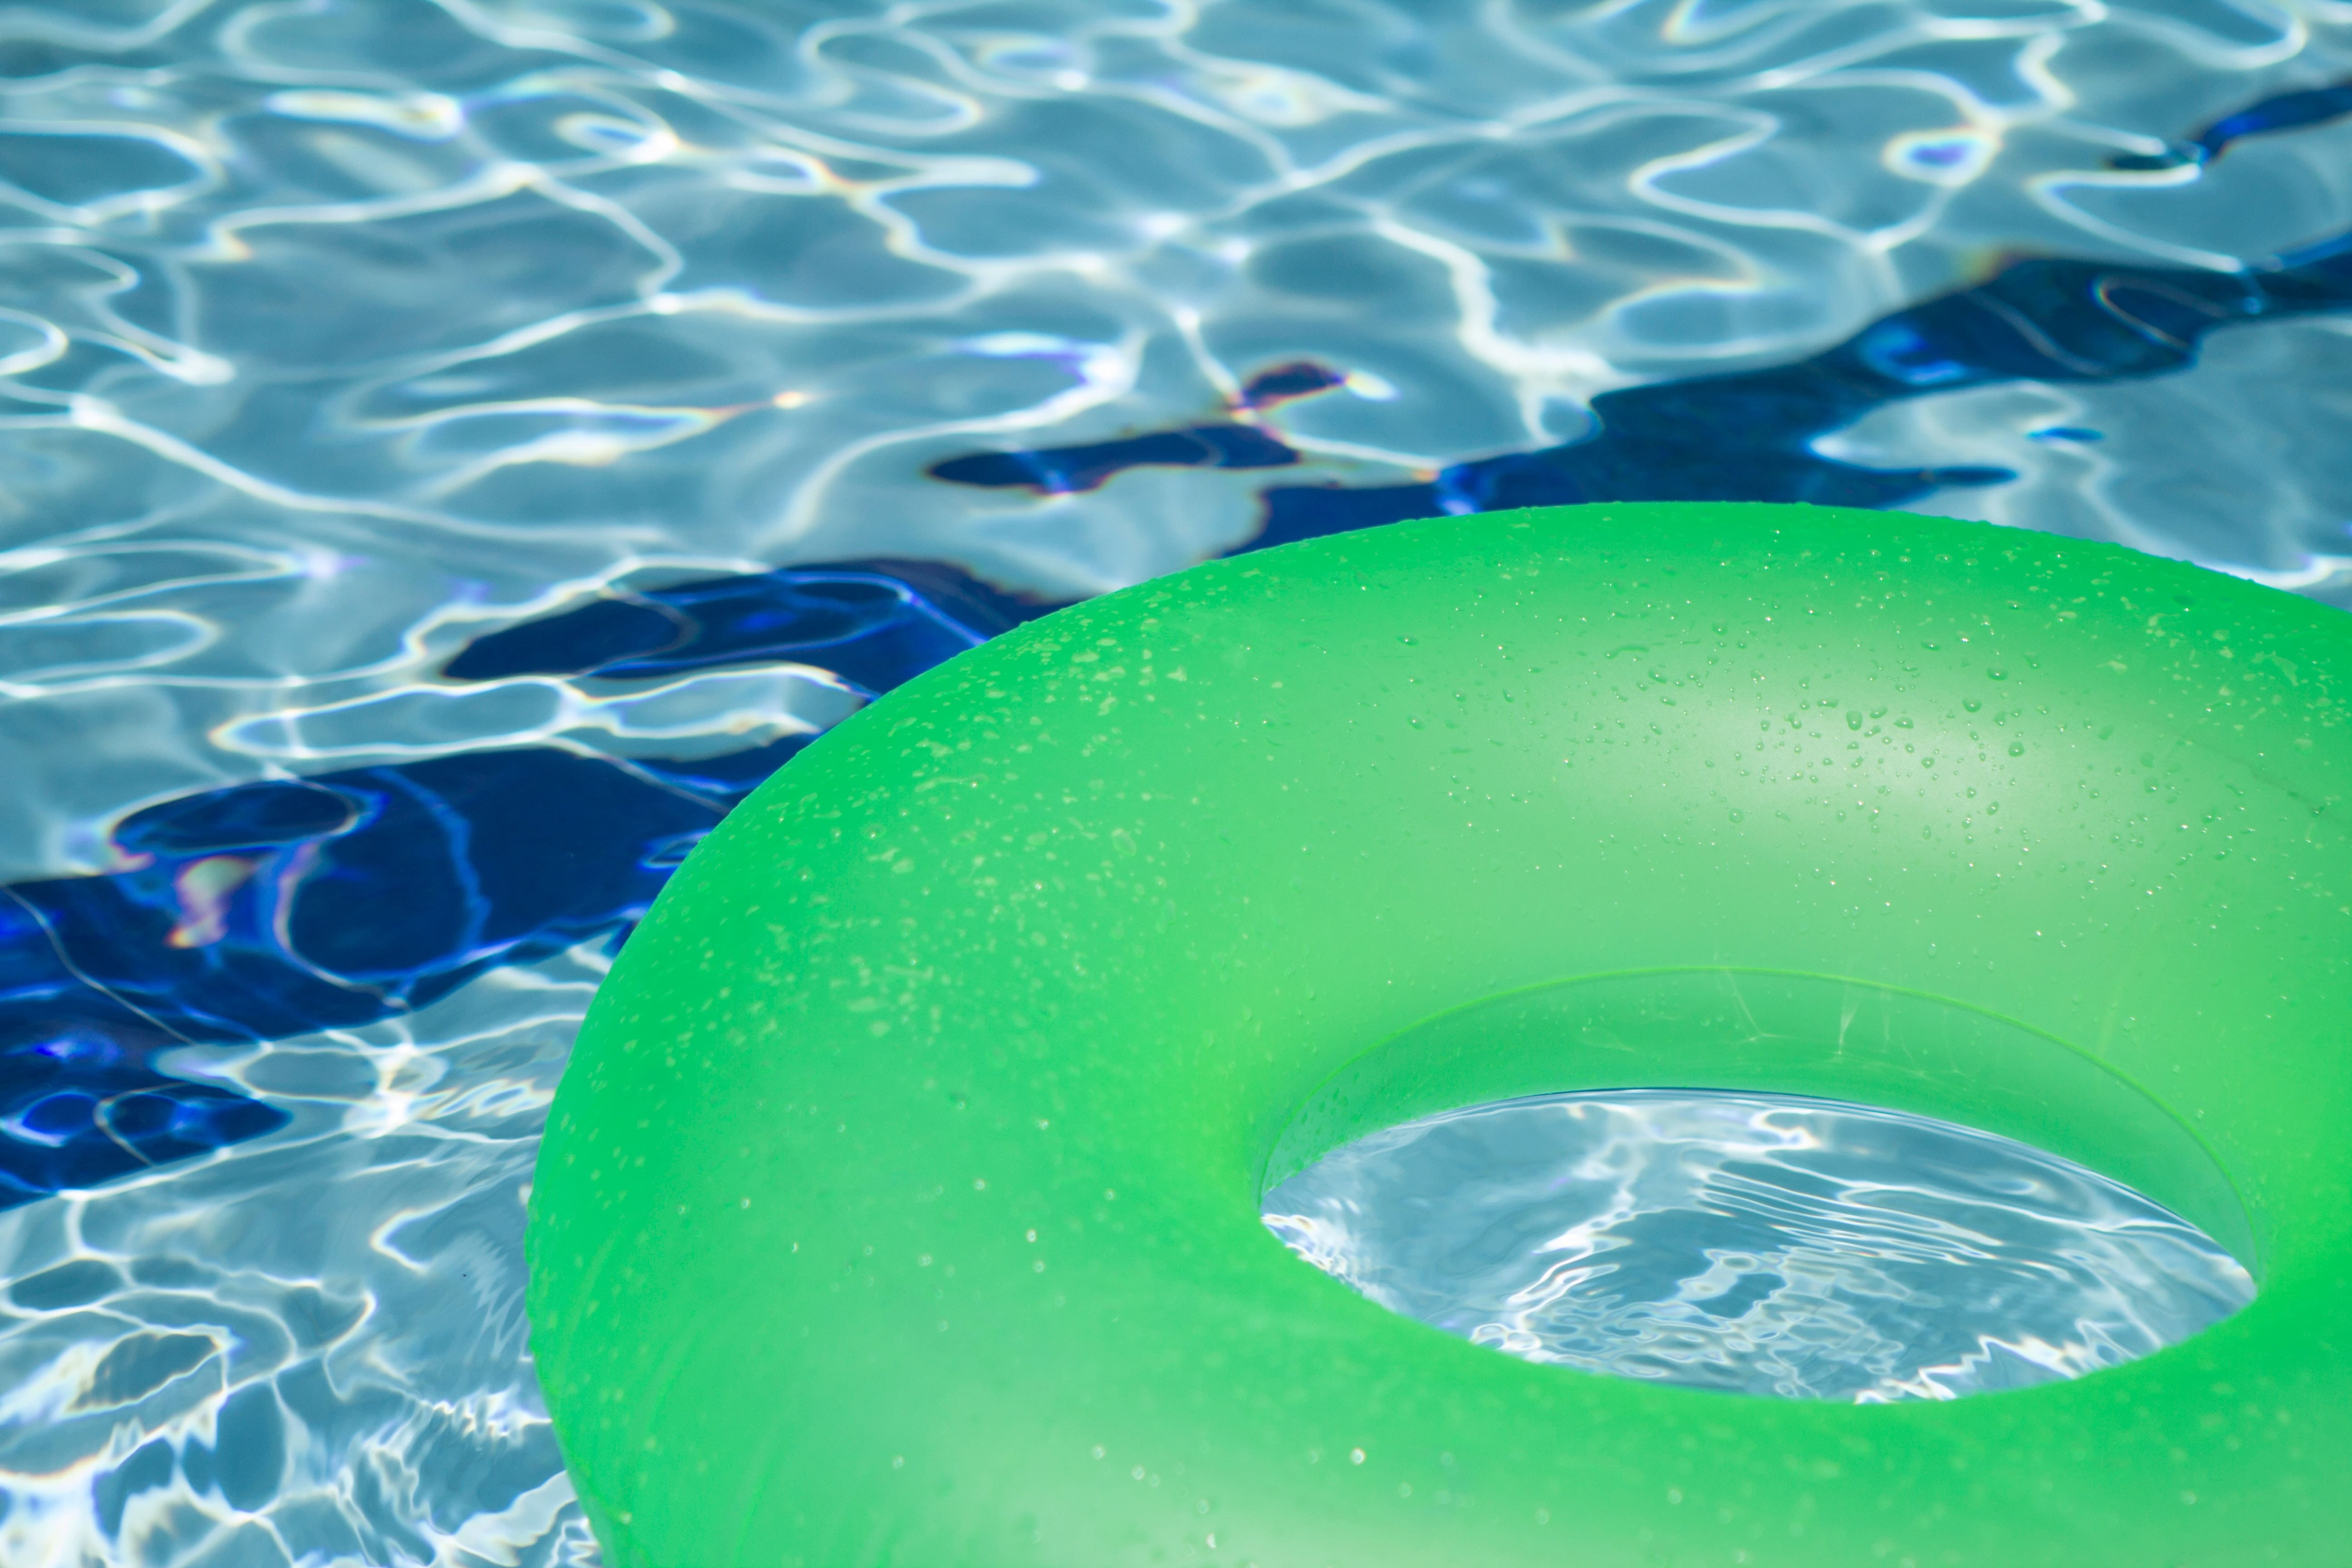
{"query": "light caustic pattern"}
(312, 1351)
(335, 335)
(1794, 1247)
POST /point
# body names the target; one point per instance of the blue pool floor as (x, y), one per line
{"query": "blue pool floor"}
(451, 454)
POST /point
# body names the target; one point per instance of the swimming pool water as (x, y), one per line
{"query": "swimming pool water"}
(1801, 1249)
(450, 452)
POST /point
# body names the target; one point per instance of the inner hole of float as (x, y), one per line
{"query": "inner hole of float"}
(1756, 1244)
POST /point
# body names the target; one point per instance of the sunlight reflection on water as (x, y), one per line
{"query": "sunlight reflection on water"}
(336, 336)
(1802, 1249)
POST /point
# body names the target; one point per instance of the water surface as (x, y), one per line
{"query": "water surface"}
(450, 452)
(1804, 1249)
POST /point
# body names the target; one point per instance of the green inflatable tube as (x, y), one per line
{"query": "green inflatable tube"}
(900, 1204)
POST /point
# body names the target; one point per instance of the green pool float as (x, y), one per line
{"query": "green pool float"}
(900, 1204)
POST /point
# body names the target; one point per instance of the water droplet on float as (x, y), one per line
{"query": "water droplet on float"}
(1996, 675)
(1970, 704)
(2017, 748)
(1737, 814)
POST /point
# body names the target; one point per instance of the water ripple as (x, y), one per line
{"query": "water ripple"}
(407, 406)
(209, 1358)
(1754, 1245)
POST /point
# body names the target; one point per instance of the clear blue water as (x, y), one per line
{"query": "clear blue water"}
(449, 453)
(1802, 1248)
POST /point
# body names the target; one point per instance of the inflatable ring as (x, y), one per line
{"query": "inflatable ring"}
(900, 1204)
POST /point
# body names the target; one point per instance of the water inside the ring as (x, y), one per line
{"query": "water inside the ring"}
(1755, 1244)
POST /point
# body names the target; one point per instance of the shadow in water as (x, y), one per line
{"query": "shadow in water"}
(274, 908)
